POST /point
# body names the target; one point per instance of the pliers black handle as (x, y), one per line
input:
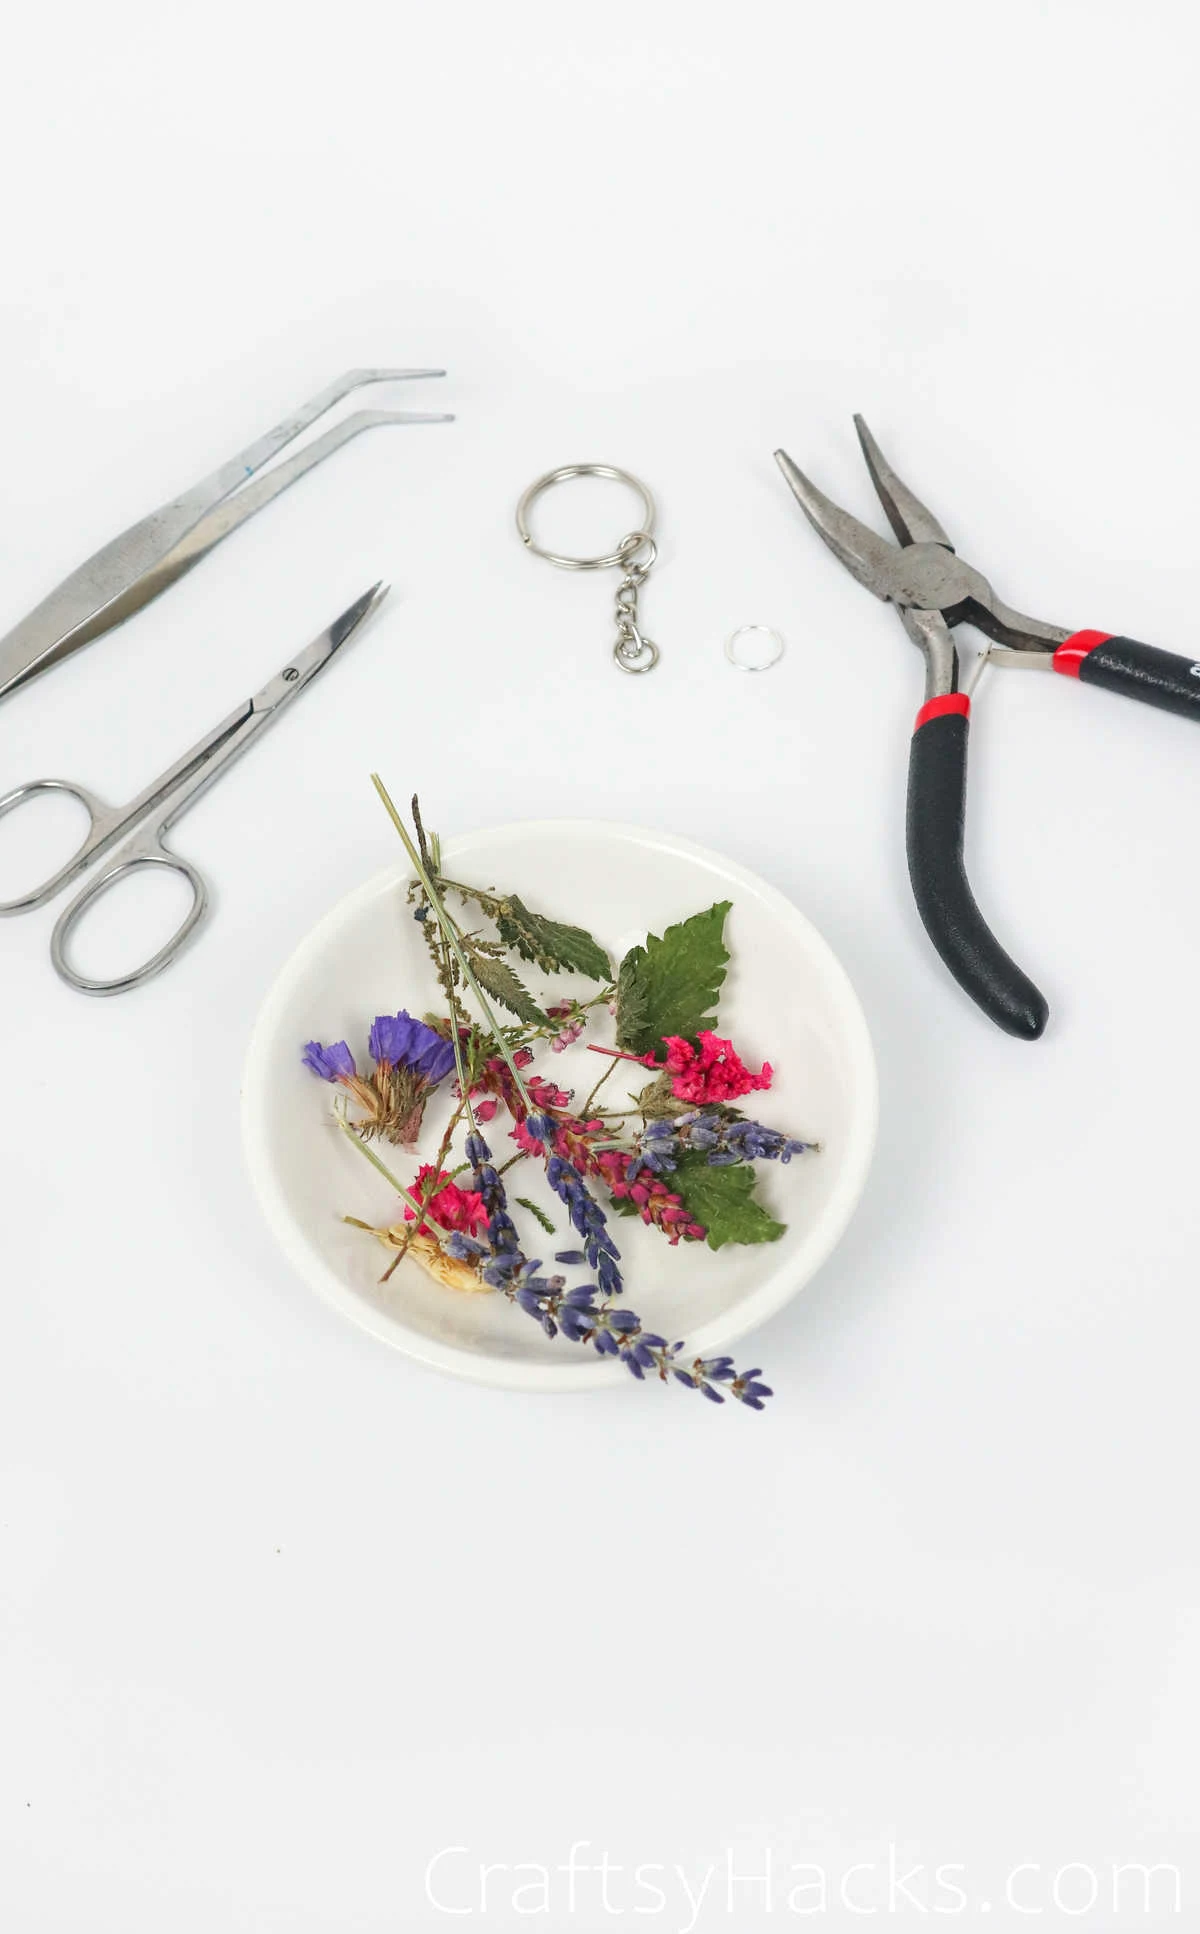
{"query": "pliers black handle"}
(1160, 678)
(936, 818)
(933, 590)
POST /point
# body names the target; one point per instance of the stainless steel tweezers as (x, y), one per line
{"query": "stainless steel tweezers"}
(144, 560)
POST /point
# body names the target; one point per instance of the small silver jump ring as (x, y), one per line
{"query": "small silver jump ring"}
(759, 656)
(631, 545)
(645, 651)
(564, 474)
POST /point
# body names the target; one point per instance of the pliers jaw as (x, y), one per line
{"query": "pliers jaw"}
(932, 587)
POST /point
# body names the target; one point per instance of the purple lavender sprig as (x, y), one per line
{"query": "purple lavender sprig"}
(583, 1314)
(723, 1139)
(587, 1217)
(706, 1373)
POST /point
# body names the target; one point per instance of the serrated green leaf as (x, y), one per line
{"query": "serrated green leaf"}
(633, 1002)
(670, 986)
(496, 978)
(553, 946)
(723, 1200)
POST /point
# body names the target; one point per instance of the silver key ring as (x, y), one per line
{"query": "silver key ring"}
(564, 474)
(634, 555)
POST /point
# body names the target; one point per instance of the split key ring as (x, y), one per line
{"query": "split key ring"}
(634, 555)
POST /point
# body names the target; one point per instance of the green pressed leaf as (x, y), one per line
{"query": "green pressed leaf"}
(670, 986)
(622, 1205)
(723, 1200)
(540, 1214)
(496, 978)
(633, 1003)
(555, 948)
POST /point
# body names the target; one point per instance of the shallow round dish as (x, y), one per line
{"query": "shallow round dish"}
(786, 999)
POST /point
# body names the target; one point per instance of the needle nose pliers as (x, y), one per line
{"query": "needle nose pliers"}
(934, 590)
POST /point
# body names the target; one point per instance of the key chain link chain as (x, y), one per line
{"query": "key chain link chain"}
(633, 651)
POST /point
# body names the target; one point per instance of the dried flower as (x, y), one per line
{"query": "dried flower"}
(706, 1373)
(335, 1063)
(464, 1235)
(711, 1072)
(450, 1206)
(440, 1263)
(723, 1139)
(398, 1040)
(410, 1060)
(588, 1219)
(581, 1143)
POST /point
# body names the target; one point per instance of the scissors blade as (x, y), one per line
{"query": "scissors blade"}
(303, 668)
(206, 763)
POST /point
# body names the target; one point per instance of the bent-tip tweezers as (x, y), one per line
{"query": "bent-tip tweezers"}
(144, 560)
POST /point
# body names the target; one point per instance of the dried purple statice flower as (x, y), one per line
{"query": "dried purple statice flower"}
(410, 1060)
(399, 1040)
(334, 1063)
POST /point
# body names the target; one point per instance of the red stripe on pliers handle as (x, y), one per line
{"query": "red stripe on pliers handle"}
(1071, 654)
(937, 708)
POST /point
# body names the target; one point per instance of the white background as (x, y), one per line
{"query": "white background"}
(282, 1614)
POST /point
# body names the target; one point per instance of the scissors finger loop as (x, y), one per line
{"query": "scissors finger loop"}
(144, 854)
(98, 816)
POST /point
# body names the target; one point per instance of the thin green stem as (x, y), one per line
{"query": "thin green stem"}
(429, 1189)
(464, 1085)
(450, 932)
(583, 1112)
(521, 1037)
(481, 897)
(357, 1141)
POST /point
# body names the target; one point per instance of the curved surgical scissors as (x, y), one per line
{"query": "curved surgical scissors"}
(171, 794)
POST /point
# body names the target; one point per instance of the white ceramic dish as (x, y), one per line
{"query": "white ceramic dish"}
(786, 999)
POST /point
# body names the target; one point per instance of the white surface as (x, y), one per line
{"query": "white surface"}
(283, 1615)
(364, 956)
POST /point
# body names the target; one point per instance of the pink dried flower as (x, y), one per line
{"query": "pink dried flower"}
(711, 1072)
(450, 1206)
